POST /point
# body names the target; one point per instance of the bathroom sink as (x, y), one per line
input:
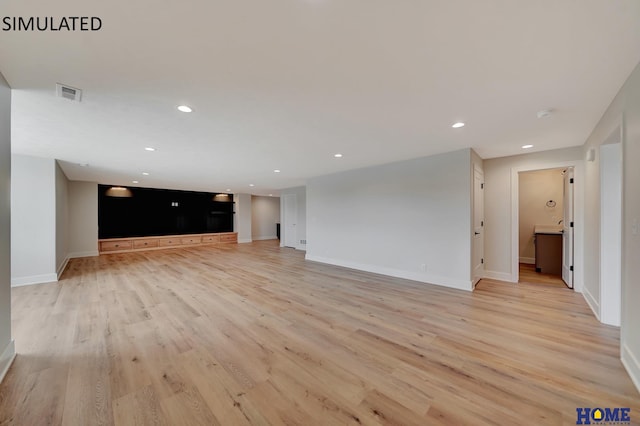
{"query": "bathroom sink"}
(548, 229)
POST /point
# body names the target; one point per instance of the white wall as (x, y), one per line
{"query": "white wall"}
(301, 226)
(536, 189)
(33, 228)
(499, 221)
(624, 109)
(265, 213)
(83, 219)
(243, 217)
(7, 348)
(408, 219)
(62, 219)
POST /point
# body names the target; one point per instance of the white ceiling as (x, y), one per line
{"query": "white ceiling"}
(285, 84)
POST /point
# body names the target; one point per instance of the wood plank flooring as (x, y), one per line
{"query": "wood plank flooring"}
(251, 334)
(528, 275)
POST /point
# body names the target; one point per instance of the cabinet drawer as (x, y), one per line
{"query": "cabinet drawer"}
(208, 239)
(115, 245)
(229, 238)
(166, 242)
(140, 244)
(190, 240)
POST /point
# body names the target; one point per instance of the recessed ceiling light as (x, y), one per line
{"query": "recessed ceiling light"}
(337, 155)
(228, 190)
(134, 181)
(83, 165)
(145, 173)
(457, 125)
(151, 149)
(544, 113)
(270, 195)
(276, 171)
(251, 184)
(527, 146)
(184, 108)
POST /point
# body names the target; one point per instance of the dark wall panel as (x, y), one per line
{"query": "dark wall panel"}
(151, 212)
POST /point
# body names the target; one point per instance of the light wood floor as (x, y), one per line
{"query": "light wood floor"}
(253, 334)
(528, 275)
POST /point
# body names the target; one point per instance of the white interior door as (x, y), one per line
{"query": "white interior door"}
(478, 225)
(290, 218)
(567, 229)
(610, 233)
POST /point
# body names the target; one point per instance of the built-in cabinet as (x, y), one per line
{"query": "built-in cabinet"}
(548, 249)
(113, 245)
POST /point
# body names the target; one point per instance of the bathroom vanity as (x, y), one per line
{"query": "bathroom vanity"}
(548, 240)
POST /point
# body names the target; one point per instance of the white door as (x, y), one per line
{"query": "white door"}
(610, 233)
(478, 225)
(567, 229)
(290, 218)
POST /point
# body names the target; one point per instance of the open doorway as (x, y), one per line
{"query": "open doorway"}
(545, 220)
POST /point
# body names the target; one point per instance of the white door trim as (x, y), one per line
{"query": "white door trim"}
(567, 226)
(578, 203)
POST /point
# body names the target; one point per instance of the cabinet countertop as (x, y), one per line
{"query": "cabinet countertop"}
(548, 229)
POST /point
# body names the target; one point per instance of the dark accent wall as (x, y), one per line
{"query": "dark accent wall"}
(152, 212)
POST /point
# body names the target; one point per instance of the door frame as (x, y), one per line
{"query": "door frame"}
(568, 209)
(578, 217)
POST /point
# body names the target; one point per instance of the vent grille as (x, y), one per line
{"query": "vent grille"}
(68, 92)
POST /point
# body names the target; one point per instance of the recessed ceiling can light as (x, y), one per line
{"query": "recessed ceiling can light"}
(145, 174)
(337, 155)
(527, 146)
(270, 195)
(457, 125)
(134, 181)
(150, 149)
(228, 190)
(544, 113)
(184, 108)
(251, 184)
(276, 171)
(83, 165)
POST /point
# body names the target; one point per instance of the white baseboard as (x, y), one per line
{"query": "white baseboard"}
(34, 279)
(591, 301)
(500, 276)
(528, 260)
(398, 273)
(79, 254)
(244, 240)
(6, 359)
(270, 237)
(302, 247)
(632, 365)
(62, 267)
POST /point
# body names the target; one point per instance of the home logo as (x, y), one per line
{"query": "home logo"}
(603, 416)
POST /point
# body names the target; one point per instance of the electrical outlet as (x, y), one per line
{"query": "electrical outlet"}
(423, 267)
(634, 227)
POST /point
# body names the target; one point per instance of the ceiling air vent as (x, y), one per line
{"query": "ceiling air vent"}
(68, 92)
